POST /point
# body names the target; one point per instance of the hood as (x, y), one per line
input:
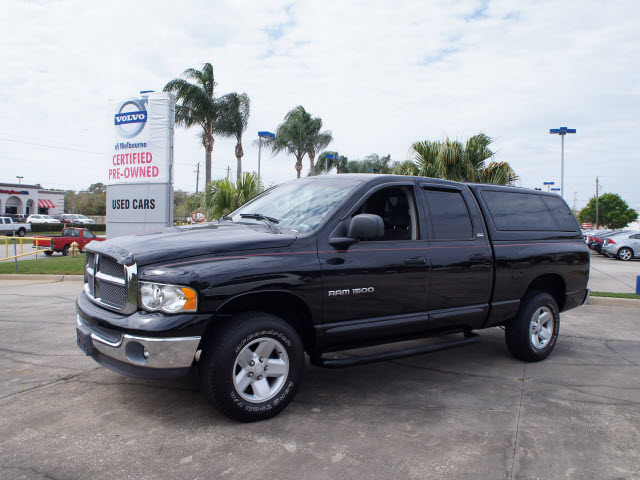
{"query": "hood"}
(190, 241)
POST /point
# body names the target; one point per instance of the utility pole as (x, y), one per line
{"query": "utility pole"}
(597, 202)
(575, 194)
(228, 171)
(197, 177)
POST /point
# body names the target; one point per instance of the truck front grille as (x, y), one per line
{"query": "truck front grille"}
(107, 283)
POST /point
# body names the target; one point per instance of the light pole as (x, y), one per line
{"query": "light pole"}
(547, 184)
(262, 135)
(19, 179)
(562, 131)
(326, 161)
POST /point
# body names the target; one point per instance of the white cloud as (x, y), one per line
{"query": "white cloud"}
(380, 74)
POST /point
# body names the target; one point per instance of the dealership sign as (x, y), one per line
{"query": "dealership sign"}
(139, 170)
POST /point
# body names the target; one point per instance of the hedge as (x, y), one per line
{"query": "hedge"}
(50, 227)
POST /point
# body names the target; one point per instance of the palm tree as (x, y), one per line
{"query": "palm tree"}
(451, 160)
(222, 197)
(317, 141)
(196, 105)
(299, 135)
(233, 122)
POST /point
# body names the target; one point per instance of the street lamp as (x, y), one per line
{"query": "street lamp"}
(547, 184)
(328, 157)
(562, 131)
(19, 179)
(262, 135)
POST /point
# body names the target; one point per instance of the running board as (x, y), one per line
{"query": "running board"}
(468, 339)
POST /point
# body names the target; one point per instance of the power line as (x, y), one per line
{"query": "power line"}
(51, 146)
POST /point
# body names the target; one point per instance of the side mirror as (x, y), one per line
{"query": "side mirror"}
(362, 227)
(366, 227)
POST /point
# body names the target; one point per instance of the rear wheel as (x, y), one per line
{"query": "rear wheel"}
(625, 254)
(48, 253)
(65, 250)
(21, 232)
(532, 335)
(251, 367)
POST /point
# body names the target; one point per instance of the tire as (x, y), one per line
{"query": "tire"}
(21, 232)
(48, 253)
(530, 340)
(65, 250)
(242, 391)
(625, 254)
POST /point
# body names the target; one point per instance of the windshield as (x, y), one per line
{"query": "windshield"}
(299, 205)
(48, 217)
(81, 216)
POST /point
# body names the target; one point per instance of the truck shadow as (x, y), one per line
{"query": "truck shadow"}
(479, 374)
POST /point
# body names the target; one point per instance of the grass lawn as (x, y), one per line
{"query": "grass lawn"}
(49, 266)
(615, 295)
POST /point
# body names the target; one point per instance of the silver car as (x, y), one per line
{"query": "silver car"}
(624, 246)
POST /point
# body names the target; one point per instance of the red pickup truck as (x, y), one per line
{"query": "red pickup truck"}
(62, 243)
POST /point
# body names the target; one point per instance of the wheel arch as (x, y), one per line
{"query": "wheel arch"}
(281, 303)
(551, 283)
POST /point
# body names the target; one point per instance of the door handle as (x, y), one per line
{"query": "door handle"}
(415, 261)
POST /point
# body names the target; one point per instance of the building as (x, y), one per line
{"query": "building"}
(30, 199)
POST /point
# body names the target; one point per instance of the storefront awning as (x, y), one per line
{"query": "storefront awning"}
(44, 203)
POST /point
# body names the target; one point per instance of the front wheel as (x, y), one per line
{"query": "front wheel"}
(21, 232)
(251, 367)
(625, 254)
(532, 335)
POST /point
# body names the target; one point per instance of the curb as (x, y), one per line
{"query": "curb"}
(613, 302)
(51, 278)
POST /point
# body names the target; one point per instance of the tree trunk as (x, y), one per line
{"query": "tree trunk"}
(207, 143)
(312, 166)
(299, 166)
(239, 155)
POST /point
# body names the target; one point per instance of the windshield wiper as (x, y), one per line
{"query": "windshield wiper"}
(270, 221)
(228, 218)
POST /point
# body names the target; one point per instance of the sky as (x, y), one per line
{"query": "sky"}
(380, 74)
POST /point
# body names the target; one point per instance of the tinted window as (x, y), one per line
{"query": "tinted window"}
(518, 211)
(6, 220)
(448, 215)
(561, 213)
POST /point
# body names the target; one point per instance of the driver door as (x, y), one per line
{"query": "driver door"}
(378, 288)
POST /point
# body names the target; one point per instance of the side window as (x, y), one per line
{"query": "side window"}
(65, 232)
(448, 215)
(88, 234)
(561, 213)
(396, 207)
(75, 233)
(6, 220)
(518, 211)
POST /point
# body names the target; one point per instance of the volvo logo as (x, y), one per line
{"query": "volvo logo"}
(131, 118)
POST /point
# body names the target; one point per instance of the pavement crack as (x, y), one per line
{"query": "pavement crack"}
(515, 443)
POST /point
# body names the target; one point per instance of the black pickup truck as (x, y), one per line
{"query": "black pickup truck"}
(326, 264)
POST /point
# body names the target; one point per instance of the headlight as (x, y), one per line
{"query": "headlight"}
(167, 298)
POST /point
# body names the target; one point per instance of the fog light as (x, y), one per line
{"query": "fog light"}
(136, 353)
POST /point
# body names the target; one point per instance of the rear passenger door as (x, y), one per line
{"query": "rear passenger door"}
(461, 259)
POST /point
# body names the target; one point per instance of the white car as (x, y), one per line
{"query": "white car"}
(42, 219)
(82, 219)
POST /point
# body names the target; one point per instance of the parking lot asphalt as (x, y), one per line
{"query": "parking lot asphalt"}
(613, 275)
(473, 412)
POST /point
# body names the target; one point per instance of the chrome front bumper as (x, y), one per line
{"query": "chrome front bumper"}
(174, 353)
